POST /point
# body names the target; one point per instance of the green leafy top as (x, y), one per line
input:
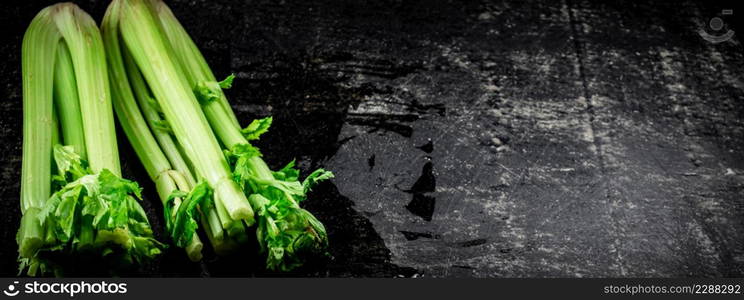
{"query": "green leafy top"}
(227, 82)
(207, 91)
(256, 128)
(181, 222)
(286, 232)
(94, 211)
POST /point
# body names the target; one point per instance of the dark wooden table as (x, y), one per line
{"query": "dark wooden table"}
(518, 138)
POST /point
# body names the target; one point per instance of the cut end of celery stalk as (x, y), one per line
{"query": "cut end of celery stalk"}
(211, 223)
(234, 201)
(31, 234)
(193, 250)
(242, 213)
(118, 236)
(237, 232)
(215, 234)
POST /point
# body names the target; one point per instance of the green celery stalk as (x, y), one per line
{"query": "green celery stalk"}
(193, 64)
(285, 231)
(87, 206)
(145, 41)
(209, 218)
(66, 101)
(38, 53)
(86, 50)
(155, 148)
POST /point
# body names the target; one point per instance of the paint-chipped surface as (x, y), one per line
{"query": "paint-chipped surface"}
(512, 139)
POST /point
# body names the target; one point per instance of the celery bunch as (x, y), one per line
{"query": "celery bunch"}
(79, 203)
(161, 80)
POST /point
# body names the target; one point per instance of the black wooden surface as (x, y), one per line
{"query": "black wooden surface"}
(517, 138)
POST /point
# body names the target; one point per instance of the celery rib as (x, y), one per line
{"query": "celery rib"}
(194, 149)
(143, 38)
(66, 101)
(285, 231)
(188, 114)
(89, 61)
(38, 52)
(80, 204)
(145, 144)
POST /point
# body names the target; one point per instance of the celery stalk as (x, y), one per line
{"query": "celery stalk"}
(148, 144)
(169, 76)
(285, 230)
(147, 103)
(66, 101)
(86, 206)
(145, 41)
(38, 53)
(140, 59)
(194, 66)
(86, 50)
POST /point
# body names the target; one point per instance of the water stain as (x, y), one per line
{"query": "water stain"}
(426, 182)
(428, 147)
(412, 236)
(422, 204)
(471, 243)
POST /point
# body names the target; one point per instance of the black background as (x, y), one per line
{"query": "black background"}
(298, 60)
